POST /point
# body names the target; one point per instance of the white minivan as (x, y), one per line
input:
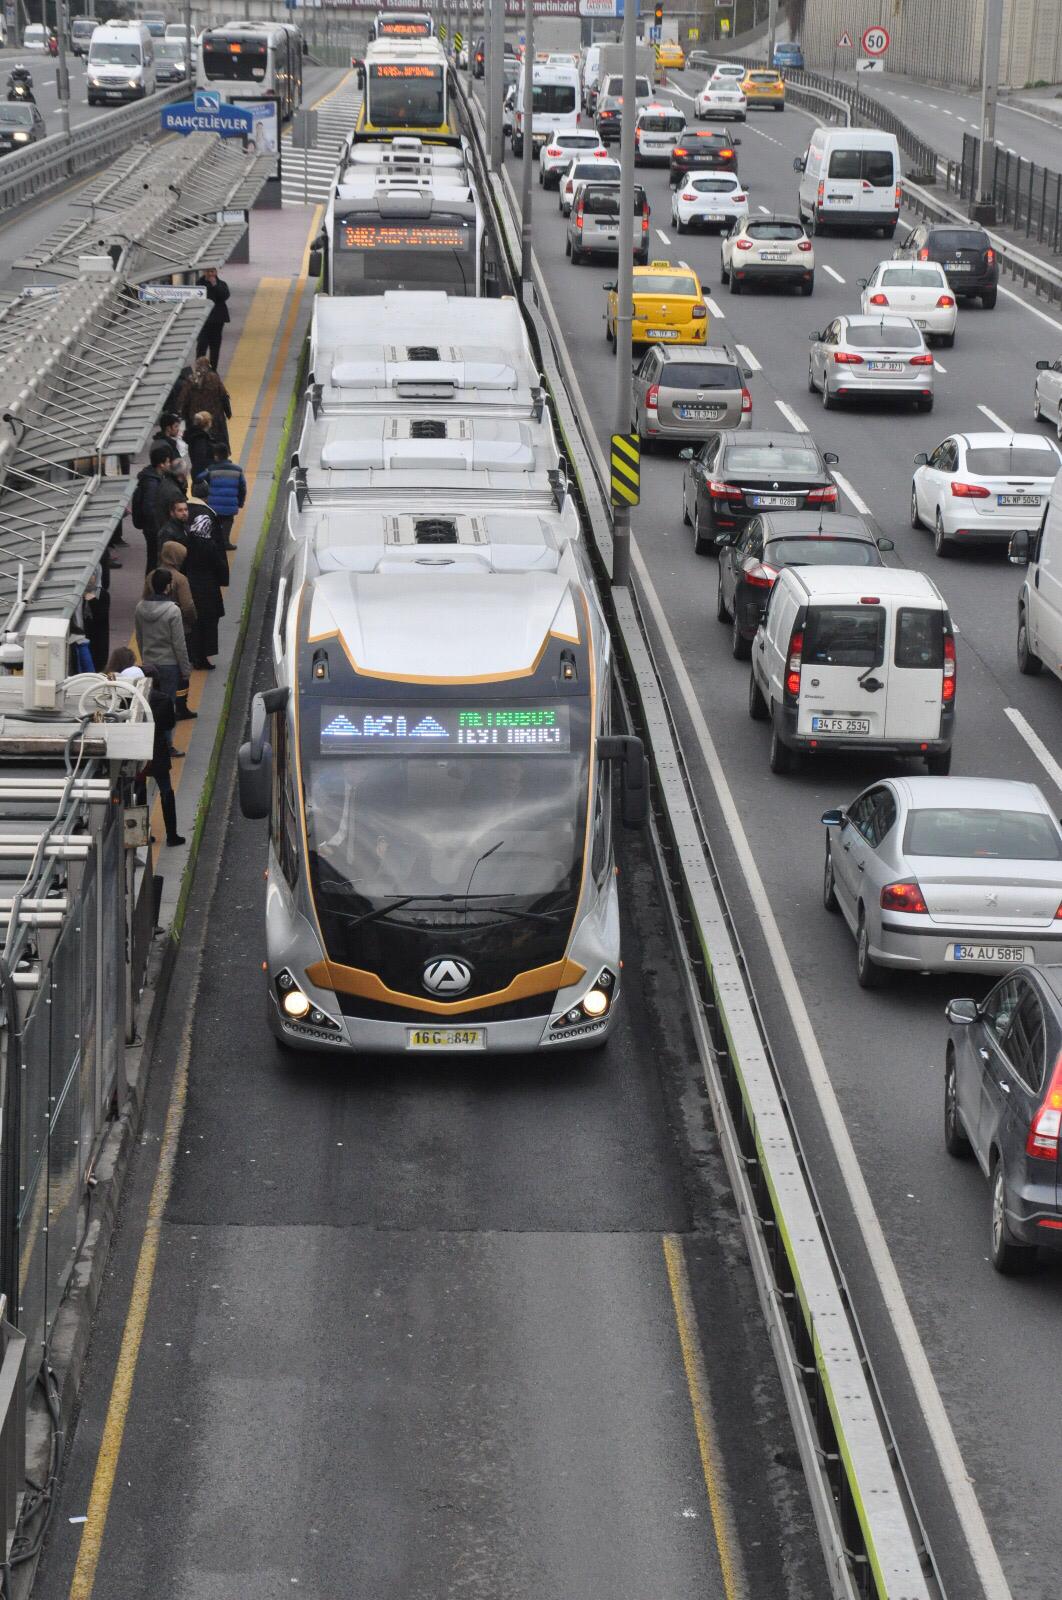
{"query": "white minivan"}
(850, 177)
(556, 100)
(121, 63)
(855, 658)
(1040, 598)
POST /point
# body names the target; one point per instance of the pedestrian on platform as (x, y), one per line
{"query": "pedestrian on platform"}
(200, 444)
(203, 390)
(146, 512)
(159, 633)
(209, 341)
(162, 754)
(226, 491)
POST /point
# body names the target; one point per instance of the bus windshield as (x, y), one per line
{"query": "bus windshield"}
(406, 94)
(372, 255)
(237, 60)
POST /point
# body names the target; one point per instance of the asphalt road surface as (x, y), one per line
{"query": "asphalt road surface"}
(989, 1341)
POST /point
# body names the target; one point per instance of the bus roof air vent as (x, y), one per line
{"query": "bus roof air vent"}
(427, 428)
(435, 530)
(422, 352)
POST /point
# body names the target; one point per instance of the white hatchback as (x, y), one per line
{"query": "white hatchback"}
(915, 289)
(722, 98)
(564, 146)
(709, 200)
(979, 488)
(728, 71)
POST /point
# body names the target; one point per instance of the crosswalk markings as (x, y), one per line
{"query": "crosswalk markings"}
(306, 175)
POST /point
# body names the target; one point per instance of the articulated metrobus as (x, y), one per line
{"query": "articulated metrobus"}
(435, 763)
(406, 91)
(246, 63)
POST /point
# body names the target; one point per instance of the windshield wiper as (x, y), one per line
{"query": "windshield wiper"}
(401, 900)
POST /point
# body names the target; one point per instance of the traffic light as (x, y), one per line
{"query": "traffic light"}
(658, 15)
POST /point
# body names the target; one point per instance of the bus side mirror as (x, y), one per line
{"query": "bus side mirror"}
(316, 262)
(255, 759)
(634, 777)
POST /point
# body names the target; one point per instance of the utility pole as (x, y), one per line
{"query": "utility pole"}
(772, 29)
(496, 82)
(469, 41)
(621, 516)
(527, 146)
(62, 72)
(190, 46)
(984, 208)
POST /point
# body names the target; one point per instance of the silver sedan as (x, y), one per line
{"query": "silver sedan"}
(879, 356)
(946, 875)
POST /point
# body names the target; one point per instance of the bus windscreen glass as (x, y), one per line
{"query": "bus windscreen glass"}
(235, 60)
(406, 94)
(372, 255)
(349, 730)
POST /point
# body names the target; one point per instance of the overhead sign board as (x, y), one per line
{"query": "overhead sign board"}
(875, 41)
(157, 294)
(232, 122)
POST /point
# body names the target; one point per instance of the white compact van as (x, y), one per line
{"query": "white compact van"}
(556, 101)
(855, 658)
(121, 63)
(1040, 597)
(850, 177)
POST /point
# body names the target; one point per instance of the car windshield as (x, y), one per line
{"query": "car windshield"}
(714, 185)
(170, 50)
(948, 239)
(912, 277)
(662, 283)
(775, 230)
(699, 375)
(1017, 463)
(886, 335)
(773, 458)
(713, 141)
(114, 55)
(973, 835)
(15, 116)
(822, 552)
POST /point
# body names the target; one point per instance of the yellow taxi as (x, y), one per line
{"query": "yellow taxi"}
(669, 54)
(669, 307)
(763, 87)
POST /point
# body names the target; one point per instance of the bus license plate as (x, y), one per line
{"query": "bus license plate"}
(840, 724)
(446, 1038)
(1006, 954)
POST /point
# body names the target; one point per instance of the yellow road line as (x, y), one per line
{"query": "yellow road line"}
(734, 1585)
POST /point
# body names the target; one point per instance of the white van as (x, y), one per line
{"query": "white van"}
(850, 177)
(555, 104)
(855, 658)
(1040, 598)
(656, 133)
(591, 75)
(121, 63)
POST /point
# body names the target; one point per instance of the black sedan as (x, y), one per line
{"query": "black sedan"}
(966, 253)
(750, 560)
(703, 150)
(20, 124)
(735, 476)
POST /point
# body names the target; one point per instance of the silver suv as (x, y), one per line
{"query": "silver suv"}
(593, 223)
(686, 392)
(771, 250)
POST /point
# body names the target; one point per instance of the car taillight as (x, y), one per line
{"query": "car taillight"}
(645, 222)
(599, 153)
(923, 254)
(552, 151)
(805, 244)
(678, 151)
(1046, 1125)
(846, 358)
(746, 402)
(822, 191)
(969, 491)
(726, 155)
(744, 244)
(990, 256)
(691, 194)
(899, 195)
(879, 299)
(699, 312)
(652, 396)
(824, 496)
(945, 300)
(905, 896)
(579, 216)
(742, 197)
(924, 360)
(758, 574)
(947, 690)
(724, 491)
(796, 650)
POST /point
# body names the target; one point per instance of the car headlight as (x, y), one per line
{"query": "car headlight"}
(134, 83)
(21, 138)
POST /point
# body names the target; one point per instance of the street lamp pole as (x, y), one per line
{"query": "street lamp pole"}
(621, 516)
(993, 32)
(527, 146)
(496, 82)
(62, 73)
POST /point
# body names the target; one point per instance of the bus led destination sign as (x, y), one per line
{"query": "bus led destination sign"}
(405, 69)
(350, 730)
(400, 236)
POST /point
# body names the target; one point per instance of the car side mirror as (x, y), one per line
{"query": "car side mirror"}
(830, 458)
(634, 775)
(735, 141)
(921, 459)
(799, 163)
(608, 287)
(722, 539)
(1042, 366)
(686, 455)
(962, 1012)
(886, 544)
(863, 282)
(815, 337)
(1020, 548)
(834, 818)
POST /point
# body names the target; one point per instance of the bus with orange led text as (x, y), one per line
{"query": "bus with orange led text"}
(403, 25)
(246, 63)
(406, 91)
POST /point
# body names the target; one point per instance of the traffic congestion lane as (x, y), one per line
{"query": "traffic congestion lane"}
(412, 1329)
(935, 1215)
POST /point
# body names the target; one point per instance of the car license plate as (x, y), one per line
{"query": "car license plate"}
(1018, 499)
(716, 216)
(839, 199)
(701, 413)
(786, 500)
(921, 322)
(1006, 954)
(958, 266)
(446, 1038)
(840, 724)
(661, 333)
(884, 366)
(772, 255)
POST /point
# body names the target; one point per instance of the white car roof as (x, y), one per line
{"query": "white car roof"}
(908, 266)
(1020, 441)
(842, 584)
(713, 172)
(973, 794)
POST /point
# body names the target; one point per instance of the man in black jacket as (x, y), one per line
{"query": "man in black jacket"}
(209, 341)
(149, 508)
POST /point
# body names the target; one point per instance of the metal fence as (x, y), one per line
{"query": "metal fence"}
(1027, 197)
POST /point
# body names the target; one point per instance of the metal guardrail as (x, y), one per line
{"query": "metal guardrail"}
(12, 1426)
(1027, 197)
(1032, 272)
(873, 1543)
(53, 160)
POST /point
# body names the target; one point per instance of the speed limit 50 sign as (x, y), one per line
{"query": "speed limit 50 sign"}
(875, 41)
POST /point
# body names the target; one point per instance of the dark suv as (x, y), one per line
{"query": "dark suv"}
(703, 150)
(966, 254)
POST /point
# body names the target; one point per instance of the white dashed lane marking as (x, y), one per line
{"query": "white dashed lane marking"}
(997, 422)
(835, 275)
(791, 417)
(748, 358)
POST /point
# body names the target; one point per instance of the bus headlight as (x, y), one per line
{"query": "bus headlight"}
(295, 1004)
(595, 1003)
(296, 1007)
(591, 1009)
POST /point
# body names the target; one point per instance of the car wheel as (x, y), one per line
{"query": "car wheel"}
(780, 757)
(828, 402)
(680, 226)
(829, 888)
(541, 179)
(701, 545)
(941, 543)
(567, 247)
(868, 974)
(811, 380)
(1006, 1256)
(642, 258)
(722, 614)
(988, 299)
(938, 764)
(947, 340)
(735, 285)
(955, 1141)
(685, 511)
(757, 704)
(809, 287)
(740, 647)
(916, 521)
(1028, 663)
(724, 275)
(610, 337)
(888, 231)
